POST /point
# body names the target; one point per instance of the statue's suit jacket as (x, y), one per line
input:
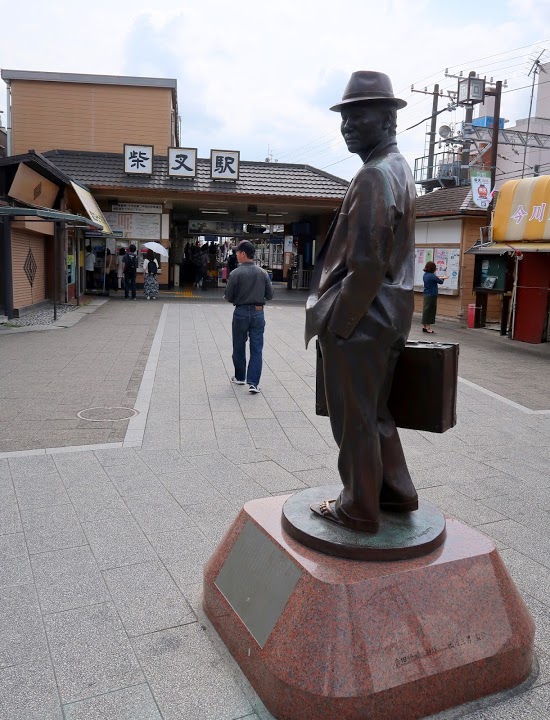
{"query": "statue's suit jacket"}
(366, 265)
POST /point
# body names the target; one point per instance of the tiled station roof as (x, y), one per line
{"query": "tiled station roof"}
(106, 170)
(447, 201)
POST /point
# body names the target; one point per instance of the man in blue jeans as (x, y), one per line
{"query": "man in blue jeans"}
(248, 288)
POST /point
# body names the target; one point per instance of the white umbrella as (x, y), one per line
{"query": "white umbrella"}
(156, 248)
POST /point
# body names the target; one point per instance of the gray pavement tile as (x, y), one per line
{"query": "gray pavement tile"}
(189, 487)
(52, 528)
(273, 477)
(10, 521)
(67, 579)
(22, 637)
(188, 678)
(543, 677)
(530, 576)
(284, 404)
(195, 411)
(40, 491)
(292, 419)
(460, 506)
(294, 460)
(240, 455)
(134, 703)
(213, 521)
(133, 480)
(79, 475)
(97, 502)
(15, 567)
(147, 599)
(523, 508)
(521, 707)
(163, 461)
(319, 476)
(156, 511)
(29, 692)
(117, 541)
(539, 698)
(308, 440)
(233, 422)
(184, 553)
(32, 465)
(4, 470)
(115, 457)
(90, 652)
(485, 488)
(541, 615)
(524, 539)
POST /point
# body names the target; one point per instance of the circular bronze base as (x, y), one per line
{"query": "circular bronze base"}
(401, 535)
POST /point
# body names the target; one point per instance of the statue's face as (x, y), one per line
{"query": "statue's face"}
(363, 126)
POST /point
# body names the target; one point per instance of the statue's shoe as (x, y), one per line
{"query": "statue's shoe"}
(327, 512)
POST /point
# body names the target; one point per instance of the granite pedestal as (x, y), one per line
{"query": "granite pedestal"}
(324, 637)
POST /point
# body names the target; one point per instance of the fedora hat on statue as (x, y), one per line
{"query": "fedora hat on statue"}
(365, 85)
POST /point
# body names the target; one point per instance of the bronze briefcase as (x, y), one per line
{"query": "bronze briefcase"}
(423, 394)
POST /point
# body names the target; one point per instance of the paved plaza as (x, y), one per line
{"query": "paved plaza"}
(105, 525)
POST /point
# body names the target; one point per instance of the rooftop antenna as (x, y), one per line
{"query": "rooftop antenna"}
(536, 68)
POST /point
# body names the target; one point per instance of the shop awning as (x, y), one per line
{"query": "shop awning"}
(44, 214)
(522, 212)
(501, 248)
(91, 208)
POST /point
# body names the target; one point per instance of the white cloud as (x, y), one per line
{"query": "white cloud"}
(252, 75)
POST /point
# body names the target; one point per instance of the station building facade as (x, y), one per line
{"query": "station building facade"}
(98, 131)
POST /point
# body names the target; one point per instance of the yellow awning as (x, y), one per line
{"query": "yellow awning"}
(91, 207)
(501, 248)
(523, 211)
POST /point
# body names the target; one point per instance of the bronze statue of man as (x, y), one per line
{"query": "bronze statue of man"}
(361, 305)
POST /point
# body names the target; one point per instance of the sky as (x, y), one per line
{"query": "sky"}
(260, 77)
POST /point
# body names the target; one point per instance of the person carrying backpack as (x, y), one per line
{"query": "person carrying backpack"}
(129, 268)
(150, 282)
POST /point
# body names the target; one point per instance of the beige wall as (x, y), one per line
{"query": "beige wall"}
(82, 116)
(456, 306)
(23, 293)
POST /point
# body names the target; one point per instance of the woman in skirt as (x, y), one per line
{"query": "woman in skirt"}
(150, 282)
(429, 308)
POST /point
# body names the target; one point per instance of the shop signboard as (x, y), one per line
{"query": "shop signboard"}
(182, 162)
(215, 227)
(137, 226)
(224, 164)
(137, 208)
(138, 159)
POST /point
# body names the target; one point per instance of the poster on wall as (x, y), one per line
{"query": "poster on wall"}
(447, 262)
(453, 267)
(421, 257)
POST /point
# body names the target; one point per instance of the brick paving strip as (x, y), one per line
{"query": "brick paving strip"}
(101, 550)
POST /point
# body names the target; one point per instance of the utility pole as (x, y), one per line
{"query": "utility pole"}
(431, 147)
(535, 69)
(465, 162)
(496, 93)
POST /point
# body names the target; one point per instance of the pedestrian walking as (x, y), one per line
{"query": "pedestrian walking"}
(129, 268)
(150, 282)
(205, 263)
(431, 290)
(89, 264)
(248, 288)
(119, 273)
